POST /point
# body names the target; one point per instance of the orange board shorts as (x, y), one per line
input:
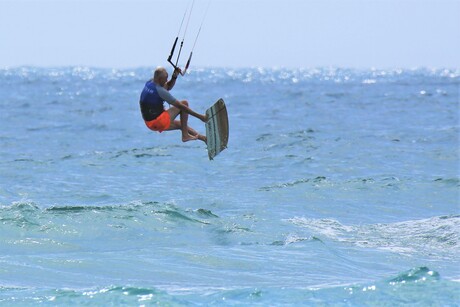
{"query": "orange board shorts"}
(161, 123)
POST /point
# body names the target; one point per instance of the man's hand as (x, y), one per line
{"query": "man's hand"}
(176, 72)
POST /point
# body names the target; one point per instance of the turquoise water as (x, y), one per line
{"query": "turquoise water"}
(339, 187)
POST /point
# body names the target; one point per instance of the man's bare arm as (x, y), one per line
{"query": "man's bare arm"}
(170, 84)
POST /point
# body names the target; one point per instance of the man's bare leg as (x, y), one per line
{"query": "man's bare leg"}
(176, 125)
(186, 136)
(180, 125)
(200, 137)
(188, 133)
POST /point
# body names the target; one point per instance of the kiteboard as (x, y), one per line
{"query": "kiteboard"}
(217, 128)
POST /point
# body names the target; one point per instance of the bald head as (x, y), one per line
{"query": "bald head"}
(160, 76)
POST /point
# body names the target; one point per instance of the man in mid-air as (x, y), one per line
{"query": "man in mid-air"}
(156, 117)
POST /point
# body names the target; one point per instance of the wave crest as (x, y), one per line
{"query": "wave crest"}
(440, 234)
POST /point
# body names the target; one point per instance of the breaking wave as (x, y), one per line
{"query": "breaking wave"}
(434, 236)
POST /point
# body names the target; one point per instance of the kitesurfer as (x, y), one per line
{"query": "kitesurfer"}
(156, 117)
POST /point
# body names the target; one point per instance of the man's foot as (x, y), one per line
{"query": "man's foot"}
(202, 138)
(188, 137)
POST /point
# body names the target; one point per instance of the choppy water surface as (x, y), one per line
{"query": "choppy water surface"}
(338, 187)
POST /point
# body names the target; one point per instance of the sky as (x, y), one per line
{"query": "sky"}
(235, 33)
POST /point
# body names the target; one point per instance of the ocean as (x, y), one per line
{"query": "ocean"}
(339, 187)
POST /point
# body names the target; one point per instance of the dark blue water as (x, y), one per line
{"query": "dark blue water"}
(338, 187)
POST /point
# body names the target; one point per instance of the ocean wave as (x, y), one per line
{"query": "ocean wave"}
(88, 297)
(99, 155)
(358, 183)
(417, 286)
(64, 225)
(436, 237)
(25, 227)
(29, 215)
(455, 182)
(315, 180)
(362, 183)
